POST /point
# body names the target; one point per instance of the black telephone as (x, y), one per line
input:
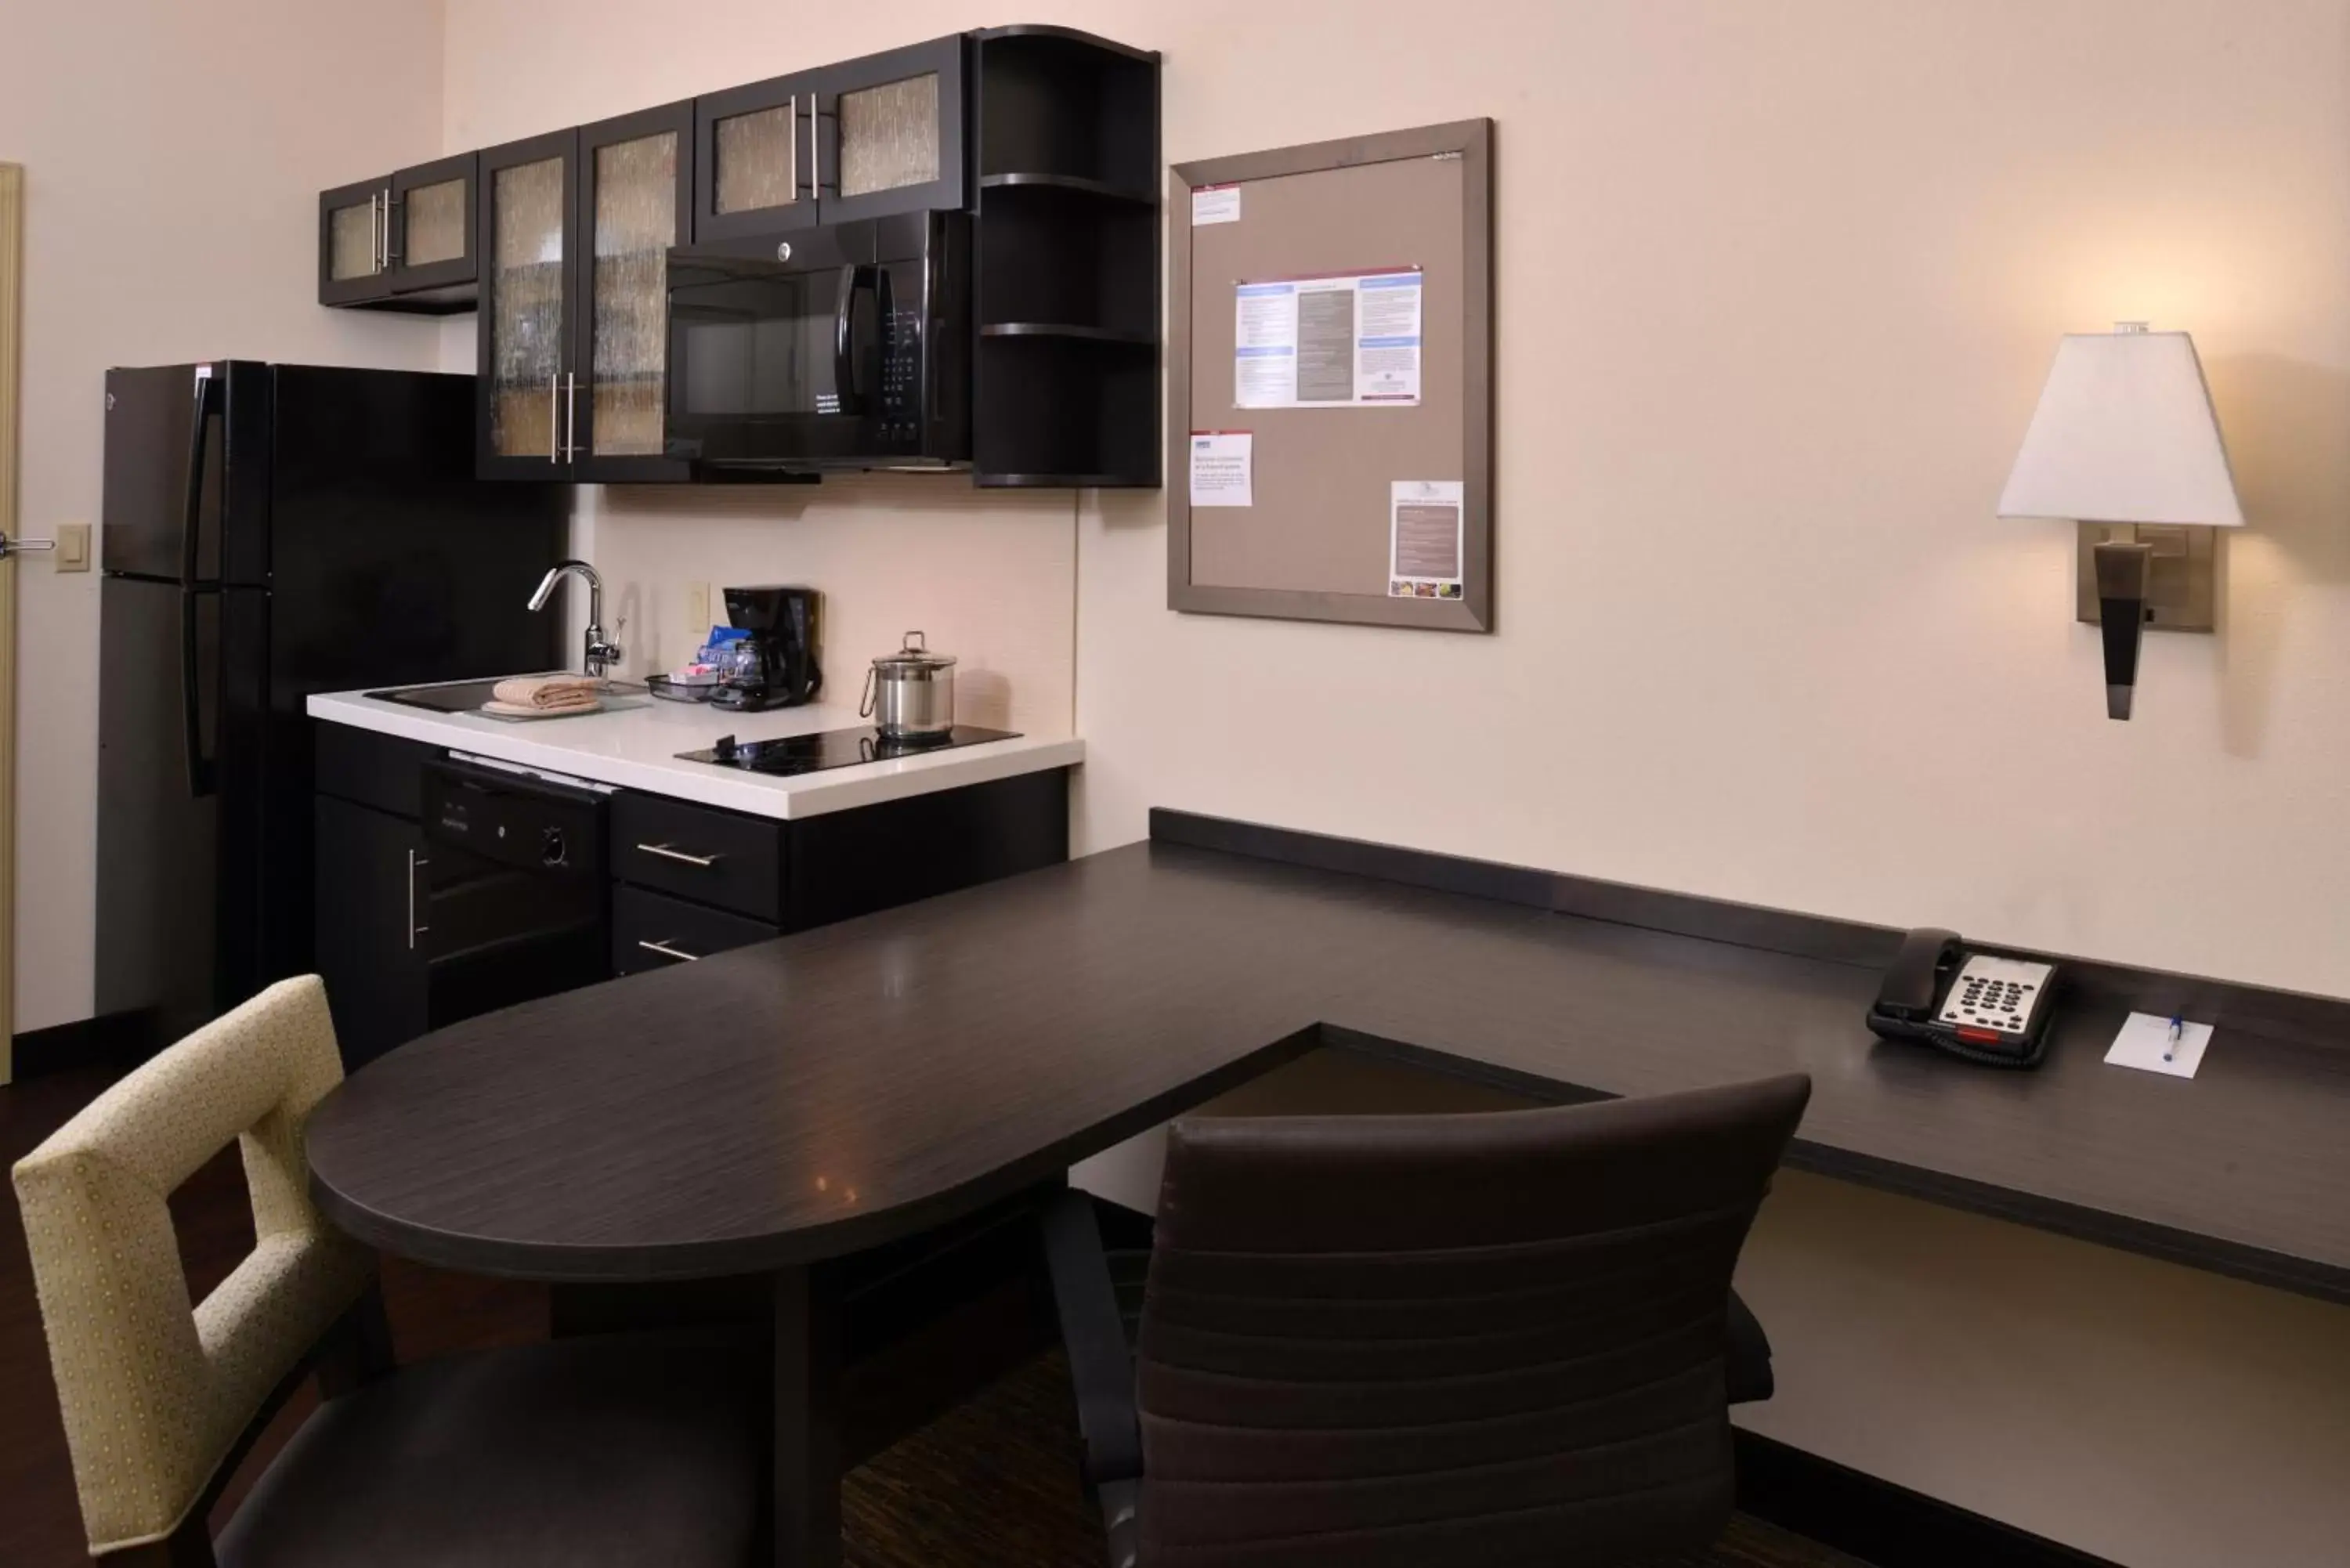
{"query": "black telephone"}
(1986, 1007)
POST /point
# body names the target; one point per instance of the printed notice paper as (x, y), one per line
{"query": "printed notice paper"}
(1221, 463)
(1424, 538)
(1215, 204)
(1348, 341)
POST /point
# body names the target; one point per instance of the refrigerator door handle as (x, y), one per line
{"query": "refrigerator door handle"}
(190, 554)
(200, 779)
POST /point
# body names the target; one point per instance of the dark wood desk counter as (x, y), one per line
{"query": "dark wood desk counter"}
(803, 1099)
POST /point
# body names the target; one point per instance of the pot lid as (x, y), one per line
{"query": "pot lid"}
(912, 658)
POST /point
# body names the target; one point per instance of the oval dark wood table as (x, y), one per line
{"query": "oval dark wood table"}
(795, 1110)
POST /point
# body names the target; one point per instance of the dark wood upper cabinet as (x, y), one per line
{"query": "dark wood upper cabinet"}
(525, 419)
(863, 139)
(1047, 137)
(755, 160)
(403, 242)
(635, 200)
(892, 134)
(1066, 374)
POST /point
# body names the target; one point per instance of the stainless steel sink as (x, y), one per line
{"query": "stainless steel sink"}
(467, 696)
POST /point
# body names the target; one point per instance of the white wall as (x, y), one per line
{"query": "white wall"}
(173, 154)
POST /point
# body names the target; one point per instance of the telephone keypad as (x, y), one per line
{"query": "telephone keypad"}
(1995, 994)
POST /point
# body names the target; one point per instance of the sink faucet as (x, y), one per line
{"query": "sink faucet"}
(600, 655)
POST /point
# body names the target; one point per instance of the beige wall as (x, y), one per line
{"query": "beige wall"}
(1777, 286)
(989, 577)
(174, 155)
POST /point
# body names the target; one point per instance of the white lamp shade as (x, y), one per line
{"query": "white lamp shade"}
(2124, 433)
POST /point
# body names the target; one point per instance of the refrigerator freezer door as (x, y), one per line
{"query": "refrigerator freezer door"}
(163, 468)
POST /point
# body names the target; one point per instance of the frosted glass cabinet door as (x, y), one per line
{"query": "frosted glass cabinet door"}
(526, 226)
(889, 134)
(637, 200)
(432, 242)
(351, 263)
(755, 160)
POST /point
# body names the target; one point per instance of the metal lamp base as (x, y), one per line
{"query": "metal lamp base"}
(2121, 571)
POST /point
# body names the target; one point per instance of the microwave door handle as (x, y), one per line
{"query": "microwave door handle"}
(854, 279)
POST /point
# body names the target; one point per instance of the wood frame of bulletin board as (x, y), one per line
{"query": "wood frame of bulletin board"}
(1315, 541)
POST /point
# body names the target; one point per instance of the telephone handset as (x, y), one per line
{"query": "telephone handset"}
(1985, 1007)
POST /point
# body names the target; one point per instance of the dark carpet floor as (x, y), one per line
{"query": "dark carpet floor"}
(990, 1485)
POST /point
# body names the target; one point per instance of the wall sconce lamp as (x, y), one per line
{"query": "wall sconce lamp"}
(2125, 445)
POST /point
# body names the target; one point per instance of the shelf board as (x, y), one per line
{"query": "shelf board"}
(1063, 480)
(1076, 184)
(1076, 333)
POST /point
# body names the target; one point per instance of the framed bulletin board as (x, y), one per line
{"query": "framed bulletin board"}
(1330, 383)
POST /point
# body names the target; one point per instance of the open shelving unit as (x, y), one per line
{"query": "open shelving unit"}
(1066, 368)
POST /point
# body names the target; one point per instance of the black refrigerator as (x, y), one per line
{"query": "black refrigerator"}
(272, 531)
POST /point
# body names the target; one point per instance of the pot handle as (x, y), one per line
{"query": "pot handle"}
(872, 692)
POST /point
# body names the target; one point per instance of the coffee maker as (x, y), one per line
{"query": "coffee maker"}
(775, 665)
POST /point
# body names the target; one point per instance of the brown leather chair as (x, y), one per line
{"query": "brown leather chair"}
(1390, 1342)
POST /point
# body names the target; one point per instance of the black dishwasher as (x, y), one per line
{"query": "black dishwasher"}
(517, 905)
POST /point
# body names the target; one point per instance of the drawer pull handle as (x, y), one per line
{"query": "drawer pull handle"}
(666, 852)
(668, 951)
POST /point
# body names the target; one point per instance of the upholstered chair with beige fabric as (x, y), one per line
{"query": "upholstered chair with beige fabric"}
(633, 1449)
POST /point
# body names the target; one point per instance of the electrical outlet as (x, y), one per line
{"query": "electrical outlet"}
(73, 547)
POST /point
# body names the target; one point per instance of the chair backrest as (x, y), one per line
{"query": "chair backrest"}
(1493, 1338)
(155, 1391)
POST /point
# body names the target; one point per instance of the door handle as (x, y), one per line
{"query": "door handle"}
(554, 417)
(666, 952)
(570, 417)
(415, 863)
(389, 256)
(679, 856)
(200, 768)
(23, 546)
(854, 278)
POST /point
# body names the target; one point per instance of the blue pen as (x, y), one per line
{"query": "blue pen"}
(2178, 1027)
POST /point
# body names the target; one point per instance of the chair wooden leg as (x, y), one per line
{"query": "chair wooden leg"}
(357, 1350)
(807, 1421)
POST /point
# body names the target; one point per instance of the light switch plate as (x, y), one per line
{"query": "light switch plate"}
(697, 612)
(73, 547)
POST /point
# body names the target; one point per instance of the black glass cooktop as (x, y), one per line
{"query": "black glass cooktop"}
(835, 749)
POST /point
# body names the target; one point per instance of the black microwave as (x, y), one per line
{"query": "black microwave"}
(843, 346)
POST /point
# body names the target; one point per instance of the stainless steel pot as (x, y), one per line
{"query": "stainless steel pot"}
(909, 694)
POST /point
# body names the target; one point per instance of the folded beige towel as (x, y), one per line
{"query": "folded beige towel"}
(549, 692)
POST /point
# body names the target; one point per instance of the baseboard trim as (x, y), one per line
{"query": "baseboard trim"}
(1885, 1525)
(116, 1043)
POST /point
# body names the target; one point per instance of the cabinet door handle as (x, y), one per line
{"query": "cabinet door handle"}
(668, 951)
(679, 856)
(375, 232)
(389, 256)
(816, 152)
(554, 417)
(415, 862)
(571, 416)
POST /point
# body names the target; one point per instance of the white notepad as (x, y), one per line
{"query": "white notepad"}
(2145, 1037)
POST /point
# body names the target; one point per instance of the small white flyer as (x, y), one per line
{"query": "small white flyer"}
(1215, 204)
(1424, 538)
(1221, 464)
(2145, 1038)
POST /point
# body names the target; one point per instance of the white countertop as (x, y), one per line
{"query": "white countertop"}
(635, 747)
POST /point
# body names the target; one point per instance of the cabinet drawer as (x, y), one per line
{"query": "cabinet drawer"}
(650, 931)
(710, 856)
